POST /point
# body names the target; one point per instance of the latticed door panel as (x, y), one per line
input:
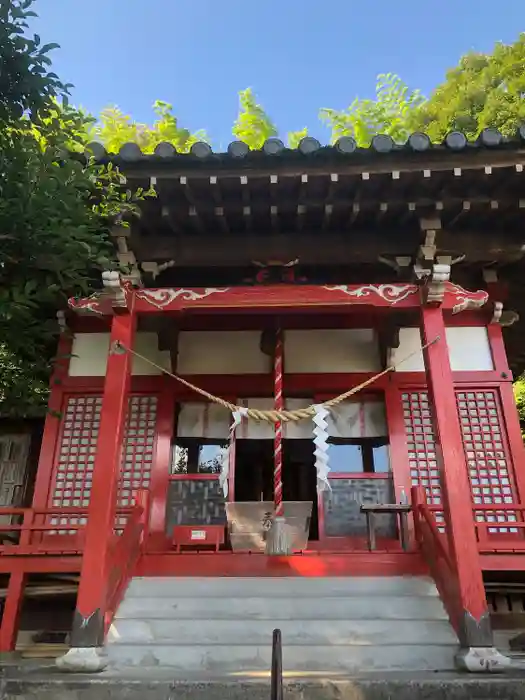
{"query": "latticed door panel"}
(14, 453)
(75, 457)
(139, 446)
(487, 454)
(421, 445)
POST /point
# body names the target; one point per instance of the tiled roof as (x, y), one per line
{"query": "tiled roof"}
(309, 147)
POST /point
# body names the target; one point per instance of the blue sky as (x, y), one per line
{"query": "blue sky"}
(298, 55)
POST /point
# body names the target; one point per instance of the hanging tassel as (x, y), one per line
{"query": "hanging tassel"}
(280, 538)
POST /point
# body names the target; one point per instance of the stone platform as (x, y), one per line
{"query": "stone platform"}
(38, 682)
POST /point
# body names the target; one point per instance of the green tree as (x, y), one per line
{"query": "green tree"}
(519, 395)
(482, 90)
(115, 128)
(55, 212)
(254, 126)
(391, 112)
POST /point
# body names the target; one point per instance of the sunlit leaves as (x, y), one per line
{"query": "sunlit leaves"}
(55, 212)
(389, 113)
(483, 90)
(114, 129)
(253, 125)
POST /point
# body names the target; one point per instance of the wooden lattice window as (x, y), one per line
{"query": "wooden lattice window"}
(139, 443)
(488, 460)
(421, 444)
(76, 455)
(77, 448)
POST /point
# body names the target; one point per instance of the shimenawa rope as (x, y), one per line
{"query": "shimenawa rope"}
(274, 416)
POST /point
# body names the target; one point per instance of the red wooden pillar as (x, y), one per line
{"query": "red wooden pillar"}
(11, 613)
(88, 621)
(160, 475)
(475, 629)
(44, 475)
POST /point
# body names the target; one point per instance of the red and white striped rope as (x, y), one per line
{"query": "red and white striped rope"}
(278, 440)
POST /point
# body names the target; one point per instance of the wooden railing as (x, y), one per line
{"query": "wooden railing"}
(401, 512)
(500, 528)
(434, 547)
(46, 530)
(124, 554)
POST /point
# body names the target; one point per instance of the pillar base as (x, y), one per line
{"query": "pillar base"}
(482, 660)
(83, 660)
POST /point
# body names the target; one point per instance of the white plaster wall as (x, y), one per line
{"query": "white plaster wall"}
(90, 353)
(469, 349)
(205, 420)
(221, 352)
(331, 351)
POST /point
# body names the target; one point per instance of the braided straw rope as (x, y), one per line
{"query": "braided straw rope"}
(274, 416)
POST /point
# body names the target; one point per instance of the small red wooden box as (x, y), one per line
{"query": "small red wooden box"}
(198, 536)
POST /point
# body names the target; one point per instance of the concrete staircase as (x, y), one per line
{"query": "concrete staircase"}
(223, 626)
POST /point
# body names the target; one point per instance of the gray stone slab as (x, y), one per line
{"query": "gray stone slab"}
(252, 658)
(272, 607)
(33, 682)
(305, 632)
(292, 586)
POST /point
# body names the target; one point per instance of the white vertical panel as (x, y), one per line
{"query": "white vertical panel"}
(357, 419)
(331, 351)
(469, 349)
(221, 352)
(409, 342)
(468, 346)
(203, 420)
(251, 429)
(90, 355)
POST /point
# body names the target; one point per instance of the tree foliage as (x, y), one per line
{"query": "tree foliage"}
(115, 128)
(55, 212)
(482, 90)
(391, 112)
(519, 396)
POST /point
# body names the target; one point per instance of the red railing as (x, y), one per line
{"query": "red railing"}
(500, 528)
(434, 547)
(46, 530)
(124, 554)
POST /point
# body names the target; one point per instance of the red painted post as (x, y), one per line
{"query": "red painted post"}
(88, 621)
(457, 499)
(11, 613)
(44, 475)
(160, 473)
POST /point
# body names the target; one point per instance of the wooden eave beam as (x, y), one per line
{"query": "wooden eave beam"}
(299, 298)
(311, 247)
(402, 163)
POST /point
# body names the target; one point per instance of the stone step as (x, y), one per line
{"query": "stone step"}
(162, 684)
(301, 632)
(167, 587)
(225, 659)
(281, 608)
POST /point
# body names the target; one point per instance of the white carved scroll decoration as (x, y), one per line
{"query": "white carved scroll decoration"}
(465, 300)
(159, 298)
(391, 293)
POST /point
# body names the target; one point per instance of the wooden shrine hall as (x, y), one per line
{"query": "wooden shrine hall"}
(323, 337)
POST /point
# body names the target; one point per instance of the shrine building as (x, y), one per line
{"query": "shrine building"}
(323, 339)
